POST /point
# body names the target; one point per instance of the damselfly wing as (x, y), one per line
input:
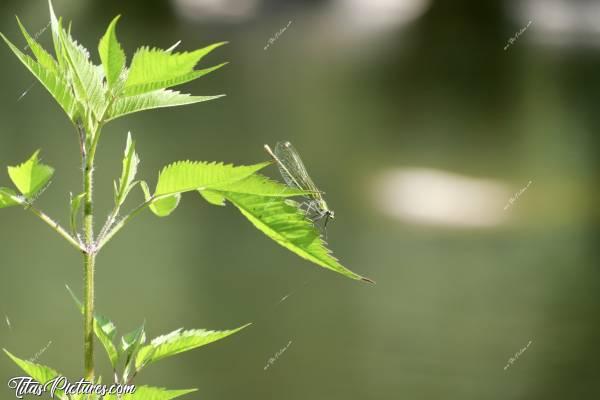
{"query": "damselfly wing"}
(295, 175)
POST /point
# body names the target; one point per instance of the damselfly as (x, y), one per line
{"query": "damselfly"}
(294, 173)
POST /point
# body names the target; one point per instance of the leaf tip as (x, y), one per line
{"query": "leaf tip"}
(368, 280)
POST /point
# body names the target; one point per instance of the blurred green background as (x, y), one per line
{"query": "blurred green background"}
(420, 127)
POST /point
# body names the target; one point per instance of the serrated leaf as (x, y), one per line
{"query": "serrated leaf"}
(42, 56)
(132, 339)
(185, 176)
(151, 393)
(177, 342)
(286, 224)
(129, 345)
(153, 69)
(128, 173)
(75, 205)
(167, 83)
(156, 99)
(86, 78)
(55, 28)
(54, 83)
(31, 176)
(260, 185)
(38, 372)
(254, 184)
(104, 329)
(111, 54)
(8, 198)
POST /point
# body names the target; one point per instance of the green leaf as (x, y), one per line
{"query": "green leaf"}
(38, 372)
(105, 331)
(130, 164)
(260, 185)
(153, 69)
(31, 176)
(213, 198)
(167, 83)
(185, 176)
(8, 198)
(56, 28)
(129, 345)
(151, 393)
(53, 82)
(165, 206)
(75, 205)
(130, 340)
(177, 342)
(156, 99)
(286, 224)
(85, 77)
(42, 56)
(111, 54)
(254, 184)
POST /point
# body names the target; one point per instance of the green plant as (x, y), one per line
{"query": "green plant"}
(93, 95)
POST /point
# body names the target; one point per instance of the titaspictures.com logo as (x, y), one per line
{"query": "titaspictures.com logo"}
(24, 385)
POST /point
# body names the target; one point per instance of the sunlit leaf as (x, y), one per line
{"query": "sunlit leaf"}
(85, 77)
(177, 342)
(156, 99)
(258, 184)
(131, 339)
(129, 345)
(128, 173)
(111, 54)
(31, 176)
(213, 198)
(42, 56)
(52, 81)
(286, 224)
(38, 372)
(8, 197)
(186, 176)
(153, 69)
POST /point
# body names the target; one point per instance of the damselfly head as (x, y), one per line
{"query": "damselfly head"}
(331, 214)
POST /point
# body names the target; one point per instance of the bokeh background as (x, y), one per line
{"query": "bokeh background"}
(421, 119)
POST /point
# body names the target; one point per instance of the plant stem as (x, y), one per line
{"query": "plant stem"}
(89, 264)
(109, 233)
(56, 226)
(89, 259)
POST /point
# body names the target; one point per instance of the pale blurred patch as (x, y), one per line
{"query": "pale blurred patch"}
(429, 196)
(359, 17)
(199, 10)
(560, 22)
